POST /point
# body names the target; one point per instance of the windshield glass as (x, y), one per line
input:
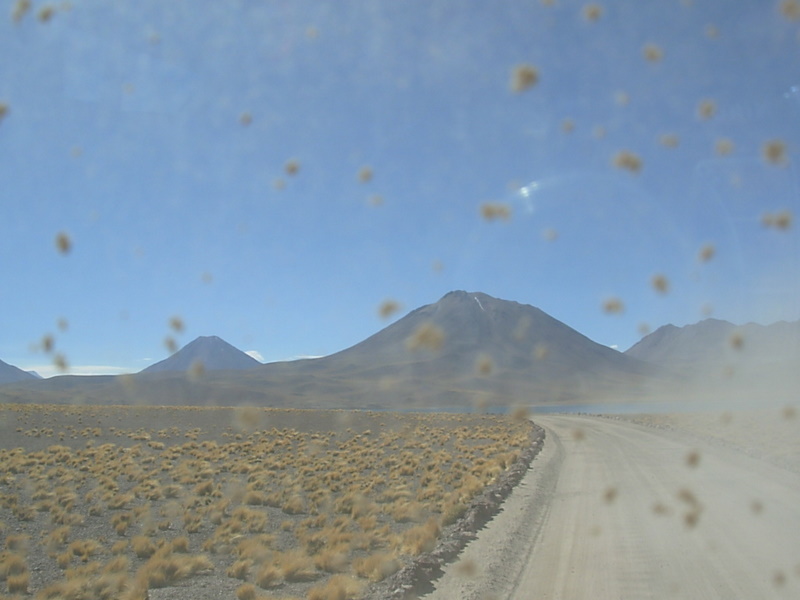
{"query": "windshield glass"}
(459, 207)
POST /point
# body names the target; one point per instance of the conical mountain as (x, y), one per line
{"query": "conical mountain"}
(11, 374)
(210, 352)
(474, 328)
(468, 344)
(464, 350)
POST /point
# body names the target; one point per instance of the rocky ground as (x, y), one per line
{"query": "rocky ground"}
(135, 502)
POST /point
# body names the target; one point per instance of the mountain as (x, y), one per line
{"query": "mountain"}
(515, 338)
(715, 343)
(11, 374)
(210, 352)
(489, 351)
(466, 349)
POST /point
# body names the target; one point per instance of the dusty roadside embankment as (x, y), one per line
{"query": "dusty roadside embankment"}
(615, 509)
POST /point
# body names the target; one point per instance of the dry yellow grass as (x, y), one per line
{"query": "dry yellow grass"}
(316, 512)
(376, 567)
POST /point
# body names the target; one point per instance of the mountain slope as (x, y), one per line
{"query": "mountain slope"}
(475, 326)
(212, 352)
(713, 342)
(491, 350)
(466, 349)
(11, 374)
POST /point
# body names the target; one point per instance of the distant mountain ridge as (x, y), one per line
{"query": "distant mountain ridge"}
(467, 349)
(11, 374)
(210, 353)
(715, 342)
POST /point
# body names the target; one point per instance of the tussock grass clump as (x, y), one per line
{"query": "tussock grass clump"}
(268, 576)
(377, 567)
(255, 498)
(332, 560)
(294, 505)
(180, 545)
(106, 586)
(240, 569)
(404, 512)
(18, 584)
(421, 538)
(11, 564)
(338, 587)
(246, 591)
(120, 501)
(143, 546)
(84, 549)
(57, 538)
(297, 566)
(452, 512)
(18, 543)
(248, 519)
(164, 568)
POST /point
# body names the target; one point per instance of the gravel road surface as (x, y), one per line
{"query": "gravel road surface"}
(616, 509)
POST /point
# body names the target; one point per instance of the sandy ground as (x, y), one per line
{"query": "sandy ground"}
(669, 506)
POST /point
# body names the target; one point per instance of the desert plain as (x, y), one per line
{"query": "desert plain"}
(254, 503)
(248, 503)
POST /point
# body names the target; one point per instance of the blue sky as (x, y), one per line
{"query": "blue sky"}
(124, 129)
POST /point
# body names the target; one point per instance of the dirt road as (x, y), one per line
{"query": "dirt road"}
(613, 509)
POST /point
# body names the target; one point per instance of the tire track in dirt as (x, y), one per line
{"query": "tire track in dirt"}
(616, 511)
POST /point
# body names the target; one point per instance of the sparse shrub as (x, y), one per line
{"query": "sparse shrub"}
(331, 560)
(453, 512)
(254, 521)
(120, 501)
(240, 569)
(268, 576)
(84, 549)
(93, 585)
(376, 567)
(256, 548)
(338, 587)
(63, 560)
(407, 511)
(120, 522)
(255, 498)
(275, 499)
(297, 566)
(24, 513)
(246, 591)
(172, 490)
(180, 544)
(119, 547)
(118, 564)
(18, 584)
(295, 505)
(58, 537)
(11, 564)
(192, 522)
(164, 569)
(205, 488)
(17, 543)
(143, 546)
(421, 538)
